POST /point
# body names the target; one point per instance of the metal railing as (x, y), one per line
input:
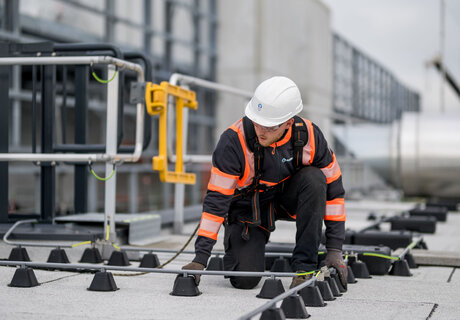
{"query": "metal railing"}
(110, 157)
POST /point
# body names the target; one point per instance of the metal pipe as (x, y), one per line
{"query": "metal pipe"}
(74, 157)
(30, 244)
(420, 161)
(152, 270)
(149, 250)
(276, 299)
(410, 247)
(181, 79)
(213, 253)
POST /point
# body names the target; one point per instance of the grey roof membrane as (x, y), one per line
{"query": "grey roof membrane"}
(432, 292)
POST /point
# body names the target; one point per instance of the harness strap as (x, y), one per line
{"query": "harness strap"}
(253, 145)
(271, 217)
(299, 140)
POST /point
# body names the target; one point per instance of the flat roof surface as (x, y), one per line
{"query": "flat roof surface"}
(432, 292)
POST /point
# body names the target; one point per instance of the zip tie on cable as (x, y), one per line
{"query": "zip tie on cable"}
(317, 273)
(380, 256)
(320, 252)
(81, 243)
(102, 80)
(98, 177)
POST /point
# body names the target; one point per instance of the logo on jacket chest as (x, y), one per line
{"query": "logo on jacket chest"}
(287, 160)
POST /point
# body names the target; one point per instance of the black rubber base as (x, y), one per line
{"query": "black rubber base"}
(103, 281)
(400, 268)
(336, 277)
(325, 290)
(312, 297)
(271, 289)
(410, 260)
(333, 285)
(360, 270)
(58, 256)
(19, 254)
(294, 307)
(149, 260)
(118, 258)
(24, 278)
(91, 255)
(216, 264)
(273, 314)
(351, 276)
(185, 287)
(281, 265)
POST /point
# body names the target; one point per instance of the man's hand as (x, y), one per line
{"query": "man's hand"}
(194, 266)
(334, 259)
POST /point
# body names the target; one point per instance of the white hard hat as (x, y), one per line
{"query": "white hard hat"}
(275, 101)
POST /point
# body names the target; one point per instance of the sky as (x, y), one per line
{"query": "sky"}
(403, 35)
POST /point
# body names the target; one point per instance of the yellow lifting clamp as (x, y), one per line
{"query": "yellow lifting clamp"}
(156, 100)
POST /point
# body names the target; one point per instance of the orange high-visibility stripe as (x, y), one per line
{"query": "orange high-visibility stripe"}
(332, 172)
(212, 217)
(227, 192)
(268, 183)
(335, 210)
(222, 182)
(341, 217)
(235, 128)
(311, 140)
(223, 174)
(336, 201)
(207, 234)
(334, 177)
(210, 225)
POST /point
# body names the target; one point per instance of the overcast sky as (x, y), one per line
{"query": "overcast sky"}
(402, 35)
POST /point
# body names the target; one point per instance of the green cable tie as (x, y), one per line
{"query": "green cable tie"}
(305, 273)
(320, 252)
(380, 256)
(102, 178)
(102, 80)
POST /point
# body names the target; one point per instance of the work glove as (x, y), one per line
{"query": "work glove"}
(194, 266)
(334, 259)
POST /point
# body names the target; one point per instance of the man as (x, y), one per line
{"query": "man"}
(267, 166)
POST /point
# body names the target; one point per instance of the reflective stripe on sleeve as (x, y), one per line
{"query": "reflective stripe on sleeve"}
(222, 182)
(335, 210)
(332, 171)
(210, 225)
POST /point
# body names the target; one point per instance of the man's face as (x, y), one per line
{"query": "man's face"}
(269, 135)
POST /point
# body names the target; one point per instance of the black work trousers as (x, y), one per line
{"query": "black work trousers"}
(302, 198)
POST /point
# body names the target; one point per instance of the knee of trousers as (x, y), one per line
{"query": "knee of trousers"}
(311, 177)
(244, 282)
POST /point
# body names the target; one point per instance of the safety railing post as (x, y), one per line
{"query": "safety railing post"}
(111, 149)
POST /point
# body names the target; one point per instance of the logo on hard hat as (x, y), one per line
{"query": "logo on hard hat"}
(259, 107)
